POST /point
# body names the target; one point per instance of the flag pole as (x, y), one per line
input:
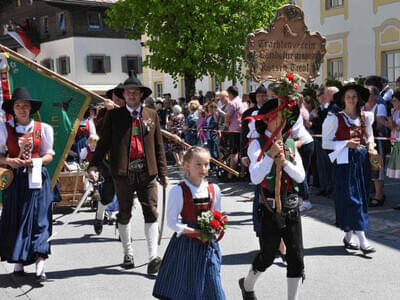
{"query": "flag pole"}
(49, 72)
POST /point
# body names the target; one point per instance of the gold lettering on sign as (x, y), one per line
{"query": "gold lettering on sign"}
(286, 46)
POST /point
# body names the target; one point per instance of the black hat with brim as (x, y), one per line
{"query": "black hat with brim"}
(133, 82)
(260, 90)
(362, 92)
(272, 104)
(21, 94)
(118, 91)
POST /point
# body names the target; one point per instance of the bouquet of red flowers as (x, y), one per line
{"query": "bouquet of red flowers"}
(212, 223)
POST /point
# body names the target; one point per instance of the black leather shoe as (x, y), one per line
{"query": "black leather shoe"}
(368, 250)
(128, 262)
(246, 295)
(154, 266)
(349, 245)
(98, 226)
(41, 278)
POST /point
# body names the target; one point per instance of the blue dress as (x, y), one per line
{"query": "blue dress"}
(26, 219)
(190, 270)
(351, 188)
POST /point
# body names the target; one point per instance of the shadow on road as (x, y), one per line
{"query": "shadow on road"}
(239, 258)
(95, 271)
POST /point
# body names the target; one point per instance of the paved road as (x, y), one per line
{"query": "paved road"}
(86, 266)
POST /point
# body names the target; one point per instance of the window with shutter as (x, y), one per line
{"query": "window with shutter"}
(99, 64)
(132, 63)
(63, 65)
(48, 63)
(61, 26)
(94, 20)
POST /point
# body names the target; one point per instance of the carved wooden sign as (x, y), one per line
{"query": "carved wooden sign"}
(286, 46)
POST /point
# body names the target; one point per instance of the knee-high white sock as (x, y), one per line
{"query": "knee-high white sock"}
(293, 287)
(348, 236)
(18, 267)
(251, 279)
(40, 266)
(100, 211)
(151, 232)
(363, 239)
(125, 235)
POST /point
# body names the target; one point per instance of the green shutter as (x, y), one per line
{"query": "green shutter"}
(89, 61)
(124, 63)
(58, 66)
(140, 65)
(68, 65)
(107, 64)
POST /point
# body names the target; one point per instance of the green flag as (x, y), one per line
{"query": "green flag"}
(63, 106)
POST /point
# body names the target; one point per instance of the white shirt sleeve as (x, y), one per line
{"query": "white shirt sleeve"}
(3, 137)
(388, 95)
(296, 171)
(369, 120)
(258, 169)
(47, 140)
(329, 128)
(92, 128)
(83, 153)
(217, 198)
(174, 208)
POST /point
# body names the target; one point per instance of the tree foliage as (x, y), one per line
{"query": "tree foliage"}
(193, 38)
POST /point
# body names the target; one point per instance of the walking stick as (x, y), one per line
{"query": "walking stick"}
(278, 169)
(164, 200)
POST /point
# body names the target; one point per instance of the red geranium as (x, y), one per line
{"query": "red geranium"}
(215, 224)
(217, 214)
(290, 76)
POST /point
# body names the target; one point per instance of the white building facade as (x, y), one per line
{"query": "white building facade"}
(363, 36)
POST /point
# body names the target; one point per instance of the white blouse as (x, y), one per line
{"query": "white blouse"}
(46, 146)
(175, 202)
(259, 169)
(329, 128)
(300, 132)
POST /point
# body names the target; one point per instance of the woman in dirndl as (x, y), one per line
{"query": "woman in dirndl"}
(26, 220)
(349, 133)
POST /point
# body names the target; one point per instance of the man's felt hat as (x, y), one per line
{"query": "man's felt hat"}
(21, 94)
(362, 92)
(118, 90)
(260, 90)
(134, 82)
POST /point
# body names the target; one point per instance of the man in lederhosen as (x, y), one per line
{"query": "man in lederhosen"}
(132, 136)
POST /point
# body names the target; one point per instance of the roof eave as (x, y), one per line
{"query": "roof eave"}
(77, 2)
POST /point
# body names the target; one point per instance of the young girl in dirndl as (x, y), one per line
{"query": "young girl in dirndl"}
(191, 267)
(393, 169)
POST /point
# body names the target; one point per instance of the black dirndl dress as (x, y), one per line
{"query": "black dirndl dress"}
(26, 219)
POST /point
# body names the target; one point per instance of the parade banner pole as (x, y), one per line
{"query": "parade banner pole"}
(78, 87)
(176, 139)
(49, 72)
(285, 46)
